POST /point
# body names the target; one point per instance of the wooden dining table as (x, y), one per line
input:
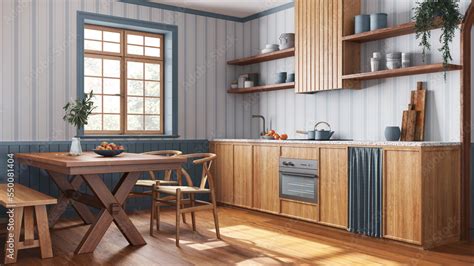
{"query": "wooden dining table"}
(70, 172)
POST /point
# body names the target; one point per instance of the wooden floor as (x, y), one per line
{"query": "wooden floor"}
(249, 238)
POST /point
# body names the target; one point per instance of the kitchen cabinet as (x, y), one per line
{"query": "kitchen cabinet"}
(266, 188)
(297, 209)
(422, 195)
(333, 180)
(224, 172)
(320, 55)
(243, 176)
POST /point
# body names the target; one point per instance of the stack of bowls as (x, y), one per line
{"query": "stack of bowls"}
(394, 60)
(405, 59)
(270, 48)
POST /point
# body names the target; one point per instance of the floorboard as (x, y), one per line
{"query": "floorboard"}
(249, 238)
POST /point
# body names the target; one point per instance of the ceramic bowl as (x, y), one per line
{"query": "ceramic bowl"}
(272, 46)
(395, 55)
(394, 63)
(266, 50)
(108, 153)
(248, 84)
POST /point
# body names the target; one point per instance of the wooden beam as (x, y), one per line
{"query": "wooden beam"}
(466, 122)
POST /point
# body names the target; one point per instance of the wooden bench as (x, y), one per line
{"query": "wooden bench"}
(22, 205)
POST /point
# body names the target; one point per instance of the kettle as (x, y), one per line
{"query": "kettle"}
(322, 134)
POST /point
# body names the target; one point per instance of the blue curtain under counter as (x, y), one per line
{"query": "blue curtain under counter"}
(365, 191)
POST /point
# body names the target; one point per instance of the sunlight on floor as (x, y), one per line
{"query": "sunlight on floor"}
(208, 245)
(291, 246)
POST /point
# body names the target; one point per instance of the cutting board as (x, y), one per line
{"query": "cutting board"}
(418, 100)
(409, 124)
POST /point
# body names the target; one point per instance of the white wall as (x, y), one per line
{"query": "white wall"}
(360, 114)
(38, 71)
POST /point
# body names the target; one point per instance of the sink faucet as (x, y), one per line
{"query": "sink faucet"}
(264, 131)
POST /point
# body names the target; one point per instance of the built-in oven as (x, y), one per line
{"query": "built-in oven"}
(299, 179)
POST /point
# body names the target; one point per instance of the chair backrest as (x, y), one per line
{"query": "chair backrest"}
(169, 153)
(205, 159)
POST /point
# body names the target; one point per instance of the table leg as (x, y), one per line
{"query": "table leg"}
(64, 185)
(112, 212)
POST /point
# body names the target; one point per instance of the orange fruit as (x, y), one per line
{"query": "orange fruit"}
(284, 136)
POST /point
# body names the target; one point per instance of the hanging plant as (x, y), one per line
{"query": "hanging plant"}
(430, 14)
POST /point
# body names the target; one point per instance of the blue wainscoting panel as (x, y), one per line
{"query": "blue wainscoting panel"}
(39, 180)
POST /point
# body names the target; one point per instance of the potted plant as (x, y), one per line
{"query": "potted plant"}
(77, 114)
(430, 14)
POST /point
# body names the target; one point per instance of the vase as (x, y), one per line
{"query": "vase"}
(76, 148)
(378, 21)
(361, 23)
(392, 133)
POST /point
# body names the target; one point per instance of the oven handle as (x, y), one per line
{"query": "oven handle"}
(298, 174)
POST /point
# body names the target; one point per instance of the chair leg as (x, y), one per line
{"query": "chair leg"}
(183, 214)
(216, 216)
(157, 214)
(178, 212)
(11, 251)
(152, 213)
(43, 232)
(193, 216)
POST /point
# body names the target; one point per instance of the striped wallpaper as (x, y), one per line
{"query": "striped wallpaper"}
(360, 114)
(38, 72)
(38, 75)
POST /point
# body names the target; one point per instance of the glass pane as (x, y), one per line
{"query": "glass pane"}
(135, 70)
(93, 45)
(152, 122)
(135, 87)
(152, 51)
(97, 100)
(152, 88)
(152, 71)
(111, 36)
(112, 104)
(92, 84)
(111, 47)
(94, 122)
(92, 34)
(135, 105)
(92, 66)
(152, 106)
(137, 50)
(135, 122)
(111, 86)
(151, 41)
(111, 122)
(112, 68)
(134, 39)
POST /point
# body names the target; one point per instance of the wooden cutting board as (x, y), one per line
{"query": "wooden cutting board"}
(409, 124)
(418, 100)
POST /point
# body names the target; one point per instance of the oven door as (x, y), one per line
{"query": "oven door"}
(299, 186)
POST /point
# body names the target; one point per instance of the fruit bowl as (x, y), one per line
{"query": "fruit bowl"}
(109, 149)
(108, 153)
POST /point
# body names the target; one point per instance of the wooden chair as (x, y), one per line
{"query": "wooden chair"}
(23, 205)
(148, 183)
(189, 204)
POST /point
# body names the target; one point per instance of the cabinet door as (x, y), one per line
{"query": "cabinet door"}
(300, 153)
(402, 195)
(319, 50)
(243, 175)
(266, 195)
(333, 180)
(224, 173)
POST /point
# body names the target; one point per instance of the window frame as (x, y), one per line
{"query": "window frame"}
(124, 58)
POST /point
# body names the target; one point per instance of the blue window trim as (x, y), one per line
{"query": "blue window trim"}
(132, 24)
(209, 14)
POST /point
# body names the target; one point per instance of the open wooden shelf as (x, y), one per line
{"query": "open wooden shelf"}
(271, 87)
(414, 70)
(263, 57)
(399, 30)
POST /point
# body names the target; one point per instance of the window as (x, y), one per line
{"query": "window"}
(124, 69)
